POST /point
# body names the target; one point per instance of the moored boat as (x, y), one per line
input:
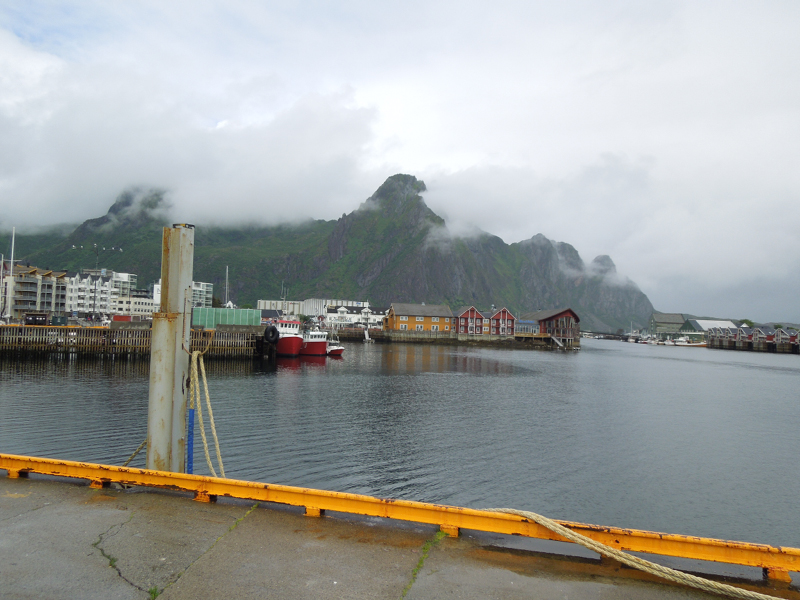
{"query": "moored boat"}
(315, 343)
(335, 348)
(290, 340)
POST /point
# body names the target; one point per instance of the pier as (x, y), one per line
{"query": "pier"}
(120, 537)
(541, 341)
(105, 341)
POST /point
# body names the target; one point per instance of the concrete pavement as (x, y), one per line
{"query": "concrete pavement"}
(62, 539)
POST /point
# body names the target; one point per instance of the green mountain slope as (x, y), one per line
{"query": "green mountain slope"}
(393, 248)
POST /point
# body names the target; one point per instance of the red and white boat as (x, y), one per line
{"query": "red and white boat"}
(290, 342)
(315, 343)
(335, 348)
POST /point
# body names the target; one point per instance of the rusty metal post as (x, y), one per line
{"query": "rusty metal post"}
(169, 358)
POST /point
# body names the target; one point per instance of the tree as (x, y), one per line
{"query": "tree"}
(216, 302)
(246, 306)
(748, 322)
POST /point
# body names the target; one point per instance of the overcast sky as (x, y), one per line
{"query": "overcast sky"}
(665, 134)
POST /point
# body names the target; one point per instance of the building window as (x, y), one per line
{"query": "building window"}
(419, 327)
(420, 318)
(446, 320)
(435, 319)
(447, 327)
(463, 321)
(404, 318)
(434, 328)
(486, 329)
(403, 327)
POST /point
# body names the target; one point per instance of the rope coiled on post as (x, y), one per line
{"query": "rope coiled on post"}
(634, 561)
(194, 392)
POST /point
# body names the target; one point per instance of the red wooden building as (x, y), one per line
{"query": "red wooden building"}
(469, 320)
(562, 324)
(501, 322)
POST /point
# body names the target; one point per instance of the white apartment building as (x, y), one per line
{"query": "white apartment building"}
(350, 316)
(202, 294)
(138, 304)
(30, 289)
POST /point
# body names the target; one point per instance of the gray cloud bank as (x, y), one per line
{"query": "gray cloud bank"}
(665, 134)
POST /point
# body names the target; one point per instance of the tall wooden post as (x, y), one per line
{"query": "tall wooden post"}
(169, 357)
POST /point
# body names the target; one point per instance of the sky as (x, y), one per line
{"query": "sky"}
(665, 134)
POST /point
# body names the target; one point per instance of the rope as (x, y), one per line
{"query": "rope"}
(135, 452)
(194, 392)
(635, 561)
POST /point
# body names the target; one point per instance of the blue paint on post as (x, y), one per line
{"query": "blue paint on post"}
(190, 444)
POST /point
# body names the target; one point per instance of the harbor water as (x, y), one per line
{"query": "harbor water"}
(683, 440)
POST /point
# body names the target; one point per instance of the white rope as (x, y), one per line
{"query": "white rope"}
(194, 392)
(635, 561)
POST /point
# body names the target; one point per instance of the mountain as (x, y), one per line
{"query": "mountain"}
(392, 248)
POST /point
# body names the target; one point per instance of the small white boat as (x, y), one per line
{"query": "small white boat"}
(335, 347)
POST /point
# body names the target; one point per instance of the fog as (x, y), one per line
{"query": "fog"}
(664, 134)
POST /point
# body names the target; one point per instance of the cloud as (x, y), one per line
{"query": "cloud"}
(664, 134)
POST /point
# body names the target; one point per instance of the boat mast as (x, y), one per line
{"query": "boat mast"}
(226, 286)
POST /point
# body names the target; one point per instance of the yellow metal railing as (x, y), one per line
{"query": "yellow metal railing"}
(777, 562)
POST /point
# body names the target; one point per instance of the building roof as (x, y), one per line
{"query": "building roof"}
(490, 313)
(706, 324)
(543, 315)
(422, 310)
(668, 318)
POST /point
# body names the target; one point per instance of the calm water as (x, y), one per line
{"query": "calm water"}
(684, 440)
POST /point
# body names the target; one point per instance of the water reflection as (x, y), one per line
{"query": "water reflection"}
(669, 439)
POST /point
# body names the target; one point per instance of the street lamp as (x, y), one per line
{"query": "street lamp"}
(96, 250)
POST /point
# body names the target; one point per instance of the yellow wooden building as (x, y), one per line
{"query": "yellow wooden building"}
(419, 317)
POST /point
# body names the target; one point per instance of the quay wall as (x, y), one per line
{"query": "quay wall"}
(124, 342)
(749, 346)
(523, 341)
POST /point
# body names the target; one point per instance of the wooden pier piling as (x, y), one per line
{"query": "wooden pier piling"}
(102, 341)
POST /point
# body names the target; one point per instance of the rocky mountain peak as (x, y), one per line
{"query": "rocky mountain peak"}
(603, 265)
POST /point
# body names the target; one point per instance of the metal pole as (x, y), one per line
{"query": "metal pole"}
(9, 306)
(169, 357)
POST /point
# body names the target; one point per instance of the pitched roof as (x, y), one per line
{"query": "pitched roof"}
(422, 310)
(670, 318)
(706, 324)
(490, 313)
(543, 315)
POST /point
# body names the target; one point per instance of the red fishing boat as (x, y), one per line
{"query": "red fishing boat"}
(290, 340)
(315, 343)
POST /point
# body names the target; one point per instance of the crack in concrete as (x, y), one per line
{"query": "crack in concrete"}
(27, 512)
(426, 548)
(112, 560)
(209, 549)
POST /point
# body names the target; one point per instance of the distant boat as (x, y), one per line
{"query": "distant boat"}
(335, 347)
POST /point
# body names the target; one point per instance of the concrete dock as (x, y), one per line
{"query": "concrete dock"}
(62, 539)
